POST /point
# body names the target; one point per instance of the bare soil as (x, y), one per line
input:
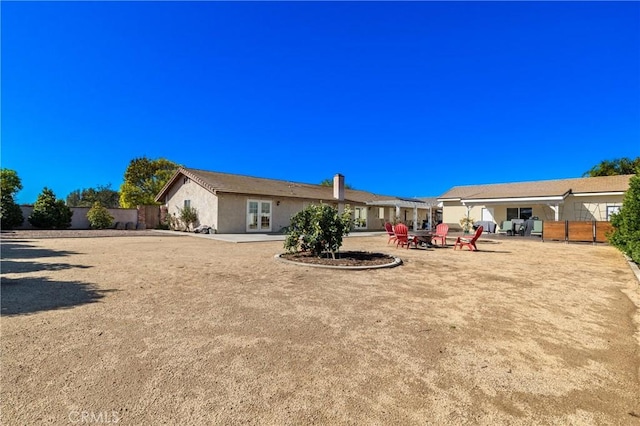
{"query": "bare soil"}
(342, 259)
(150, 328)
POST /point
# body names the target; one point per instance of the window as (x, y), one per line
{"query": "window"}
(360, 215)
(519, 213)
(258, 215)
(187, 204)
(380, 212)
(612, 210)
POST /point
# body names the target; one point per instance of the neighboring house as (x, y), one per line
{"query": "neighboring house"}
(237, 204)
(580, 199)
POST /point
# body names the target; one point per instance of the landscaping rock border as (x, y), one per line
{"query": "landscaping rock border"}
(396, 262)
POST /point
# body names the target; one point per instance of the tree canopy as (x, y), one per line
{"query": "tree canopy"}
(618, 166)
(10, 183)
(10, 212)
(49, 212)
(87, 197)
(143, 180)
(329, 182)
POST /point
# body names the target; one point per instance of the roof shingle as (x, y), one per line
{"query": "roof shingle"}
(241, 184)
(544, 188)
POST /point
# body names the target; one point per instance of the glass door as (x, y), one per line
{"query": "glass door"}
(360, 217)
(258, 216)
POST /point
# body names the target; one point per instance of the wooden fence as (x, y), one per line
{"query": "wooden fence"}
(576, 231)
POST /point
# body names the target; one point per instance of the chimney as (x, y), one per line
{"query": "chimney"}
(338, 187)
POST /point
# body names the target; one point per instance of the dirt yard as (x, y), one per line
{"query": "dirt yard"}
(164, 329)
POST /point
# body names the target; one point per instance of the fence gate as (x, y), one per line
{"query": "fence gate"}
(570, 230)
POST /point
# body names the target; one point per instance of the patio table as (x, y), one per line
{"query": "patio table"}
(422, 237)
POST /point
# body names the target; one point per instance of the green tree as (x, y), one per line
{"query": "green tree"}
(99, 217)
(10, 183)
(10, 212)
(87, 197)
(318, 228)
(143, 180)
(626, 223)
(50, 213)
(619, 166)
(329, 182)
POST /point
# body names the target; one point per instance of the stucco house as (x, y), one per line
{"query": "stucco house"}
(233, 203)
(579, 199)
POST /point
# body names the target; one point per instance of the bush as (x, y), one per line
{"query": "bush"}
(188, 217)
(10, 213)
(626, 223)
(49, 213)
(319, 229)
(99, 217)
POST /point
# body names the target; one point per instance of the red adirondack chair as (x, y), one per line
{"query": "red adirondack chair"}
(441, 234)
(469, 242)
(389, 229)
(402, 235)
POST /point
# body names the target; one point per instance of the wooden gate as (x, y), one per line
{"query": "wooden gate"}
(570, 230)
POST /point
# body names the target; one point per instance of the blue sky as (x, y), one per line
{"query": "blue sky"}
(403, 98)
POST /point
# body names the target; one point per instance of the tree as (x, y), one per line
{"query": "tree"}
(329, 182)
(143, 180)
(50, 213)
(10, 183)
(626, 223)
(99, 217)
(619, 166)
(188, 216)
(106, 196)
(10, 212)
(319, 228)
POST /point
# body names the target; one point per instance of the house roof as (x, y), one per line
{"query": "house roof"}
(556, 189)
(216, 182)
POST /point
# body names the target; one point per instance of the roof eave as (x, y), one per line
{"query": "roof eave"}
(512, 200)
(597, 194)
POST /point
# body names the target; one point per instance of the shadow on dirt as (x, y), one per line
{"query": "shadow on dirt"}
(29, 295)
(20, 250)
(26, 295)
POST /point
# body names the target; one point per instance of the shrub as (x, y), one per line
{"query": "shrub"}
(626, 223)
(10, 213)
(49, 213)
(99, 217)
(467, 223)
(188, 216)
(318, 228)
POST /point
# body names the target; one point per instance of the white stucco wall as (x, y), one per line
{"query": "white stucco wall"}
(205, 203)
(589, 208)
(573, 208)
(79, 219)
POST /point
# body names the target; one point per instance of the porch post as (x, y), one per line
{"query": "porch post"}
(415, 218)
(556, 210)
(397, 213)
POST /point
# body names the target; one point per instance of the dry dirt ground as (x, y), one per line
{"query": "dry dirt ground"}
(162, 329)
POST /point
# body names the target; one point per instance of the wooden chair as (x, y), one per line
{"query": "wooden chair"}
(469, 242)
(402, 235)
(389, 228)
(441, 234)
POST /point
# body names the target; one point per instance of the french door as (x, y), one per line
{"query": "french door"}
(360, 216)
(258, 216)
